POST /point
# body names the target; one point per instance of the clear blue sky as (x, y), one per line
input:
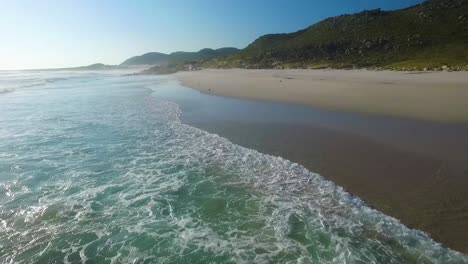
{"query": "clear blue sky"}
(62, 33)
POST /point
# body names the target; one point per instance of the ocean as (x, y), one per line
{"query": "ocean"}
(97, 167)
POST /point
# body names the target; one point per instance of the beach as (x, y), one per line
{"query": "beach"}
(329, 132)
(399, 162)
(99, 167)
(433, 96)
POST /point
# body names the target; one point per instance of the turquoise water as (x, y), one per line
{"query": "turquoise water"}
(97, 168)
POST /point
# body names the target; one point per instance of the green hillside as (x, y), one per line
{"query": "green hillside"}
(432, 35)
(150, 58)
(156, 58)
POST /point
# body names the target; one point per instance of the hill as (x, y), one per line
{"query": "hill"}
(156, 58)
(150, 58)
(96, 66)
(431, 35)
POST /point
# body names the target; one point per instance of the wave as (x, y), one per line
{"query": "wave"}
(6, 90)
(121, 179)
(20, 80)
(302, 194)
(38, 82)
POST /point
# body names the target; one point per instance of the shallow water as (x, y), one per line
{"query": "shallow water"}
(98, 167)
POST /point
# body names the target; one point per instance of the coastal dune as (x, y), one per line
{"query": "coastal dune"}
(434, 96)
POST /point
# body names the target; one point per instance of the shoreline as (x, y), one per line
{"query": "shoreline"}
(409, 169)
(431, 96)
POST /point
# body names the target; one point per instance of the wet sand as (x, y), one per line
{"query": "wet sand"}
(435, 96)
(416, 171)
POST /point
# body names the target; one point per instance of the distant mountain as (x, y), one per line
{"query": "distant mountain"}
(96, 66)
(156, 58)
(151, 58)
(430, 35)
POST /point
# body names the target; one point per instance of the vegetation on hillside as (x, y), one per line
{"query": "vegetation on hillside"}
(432, 36)
(179, 57)
(150, 58)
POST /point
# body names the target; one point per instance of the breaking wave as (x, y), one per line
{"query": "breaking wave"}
(6, 90)
(124, 180)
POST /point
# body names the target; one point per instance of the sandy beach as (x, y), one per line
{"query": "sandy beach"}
(434, 96)
(411, 168)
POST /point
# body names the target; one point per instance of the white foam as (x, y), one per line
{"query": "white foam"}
(152, 188)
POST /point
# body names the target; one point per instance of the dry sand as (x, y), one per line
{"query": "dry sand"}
(435, 96)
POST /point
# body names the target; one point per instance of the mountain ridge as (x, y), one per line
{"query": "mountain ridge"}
(158, 58)
(431, 35)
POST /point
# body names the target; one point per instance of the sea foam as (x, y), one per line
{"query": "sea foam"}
(102, 169)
